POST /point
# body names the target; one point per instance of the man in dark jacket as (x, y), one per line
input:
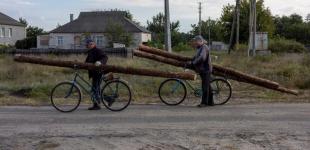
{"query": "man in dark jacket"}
(201, 63)
(97, 57)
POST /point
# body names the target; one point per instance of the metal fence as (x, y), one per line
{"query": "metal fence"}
(118, 52)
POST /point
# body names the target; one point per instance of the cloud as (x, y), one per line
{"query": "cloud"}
(18, 2)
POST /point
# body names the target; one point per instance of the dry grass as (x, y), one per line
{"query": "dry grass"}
(31, 84)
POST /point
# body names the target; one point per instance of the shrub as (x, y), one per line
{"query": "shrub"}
(26, 43)
(281, 45)
(155, 43)
(182, 47)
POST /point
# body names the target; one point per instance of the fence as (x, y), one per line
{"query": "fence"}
(119, 52)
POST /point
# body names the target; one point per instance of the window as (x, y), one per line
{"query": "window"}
(99, 40)
(60, 40)
(10, 32)
(2, 32)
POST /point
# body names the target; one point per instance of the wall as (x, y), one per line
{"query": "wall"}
(18, 33)
(139, 38)
(70, 41)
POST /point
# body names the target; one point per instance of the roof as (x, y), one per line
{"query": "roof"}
(6, 20)
(98, 21)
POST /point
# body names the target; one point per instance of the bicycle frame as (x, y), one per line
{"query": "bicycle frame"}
(194, 89)
(89, 89)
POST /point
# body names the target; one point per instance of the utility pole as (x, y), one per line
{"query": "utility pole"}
(200, 23)
(167, 27)
(252, 29)
(238, 24)
(233, 27)
(209, 26)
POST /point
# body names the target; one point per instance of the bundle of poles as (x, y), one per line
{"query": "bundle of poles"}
(104, 68)
(180, 61)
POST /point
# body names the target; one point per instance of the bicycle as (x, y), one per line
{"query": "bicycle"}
(115, 93)
(173, 91)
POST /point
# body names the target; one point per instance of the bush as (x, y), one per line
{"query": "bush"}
(26, 43)
(281, 45)
(182, 47)
(156, 44)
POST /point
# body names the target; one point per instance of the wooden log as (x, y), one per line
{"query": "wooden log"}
(226, 72)
(179, 61)
(242, 77)
(163, 53)
(158, 58)
(105, 68)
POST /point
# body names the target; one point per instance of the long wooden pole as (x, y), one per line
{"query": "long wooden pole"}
(163, 53)
(105, 68)
(226, 72)
(170, 58)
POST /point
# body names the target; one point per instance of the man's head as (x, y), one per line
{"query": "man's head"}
(90, 44)
(198, 41)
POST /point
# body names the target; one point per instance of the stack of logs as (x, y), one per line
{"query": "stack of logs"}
(179, 61)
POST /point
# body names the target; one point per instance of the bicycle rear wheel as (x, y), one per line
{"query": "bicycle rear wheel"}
(172, 92)
(66, 97)
(116, 95)
(221, 91)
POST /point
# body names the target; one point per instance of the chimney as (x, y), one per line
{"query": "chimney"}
(71, 17)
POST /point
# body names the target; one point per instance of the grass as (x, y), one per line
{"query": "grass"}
(31, 84)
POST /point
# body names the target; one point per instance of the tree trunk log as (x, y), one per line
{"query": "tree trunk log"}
(163, 53)
(179, 61)
(226, 72)
(158, 58)
(105, 68)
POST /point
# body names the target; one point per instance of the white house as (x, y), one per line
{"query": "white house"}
(91, 25)
(10, 30)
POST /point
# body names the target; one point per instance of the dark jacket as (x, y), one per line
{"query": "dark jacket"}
(202, 60)
(93, 56)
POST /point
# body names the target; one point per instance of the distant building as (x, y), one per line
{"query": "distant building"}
(10, 30)
(91, 25)
(219, 46)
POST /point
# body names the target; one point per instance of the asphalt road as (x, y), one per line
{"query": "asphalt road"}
(260, 126)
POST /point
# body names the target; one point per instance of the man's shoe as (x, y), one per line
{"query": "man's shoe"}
(95, 107)
(202, 105)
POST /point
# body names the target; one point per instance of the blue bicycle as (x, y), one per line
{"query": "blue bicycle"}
(115, 93)
(173, 92)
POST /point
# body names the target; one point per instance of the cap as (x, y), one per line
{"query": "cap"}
(88, 41)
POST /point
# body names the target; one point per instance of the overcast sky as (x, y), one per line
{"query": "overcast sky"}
(48, 13)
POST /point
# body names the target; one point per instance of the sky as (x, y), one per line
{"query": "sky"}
(47, 14)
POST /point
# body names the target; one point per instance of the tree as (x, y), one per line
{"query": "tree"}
(116, 34)
(31, 36)
(23, 21)
(157, 27)
(33, 31)
(216, 30)
(292, 27)
(264, 20)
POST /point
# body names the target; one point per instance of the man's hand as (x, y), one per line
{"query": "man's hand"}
(98, 63)
(188, 64)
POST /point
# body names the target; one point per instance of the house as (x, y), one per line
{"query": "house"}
(219, 46)
(92, 25)
(10, 30)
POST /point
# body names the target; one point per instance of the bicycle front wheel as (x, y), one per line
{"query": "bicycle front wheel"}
(116, 95)
(172, 92)
(221, 90)
(66, 97)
